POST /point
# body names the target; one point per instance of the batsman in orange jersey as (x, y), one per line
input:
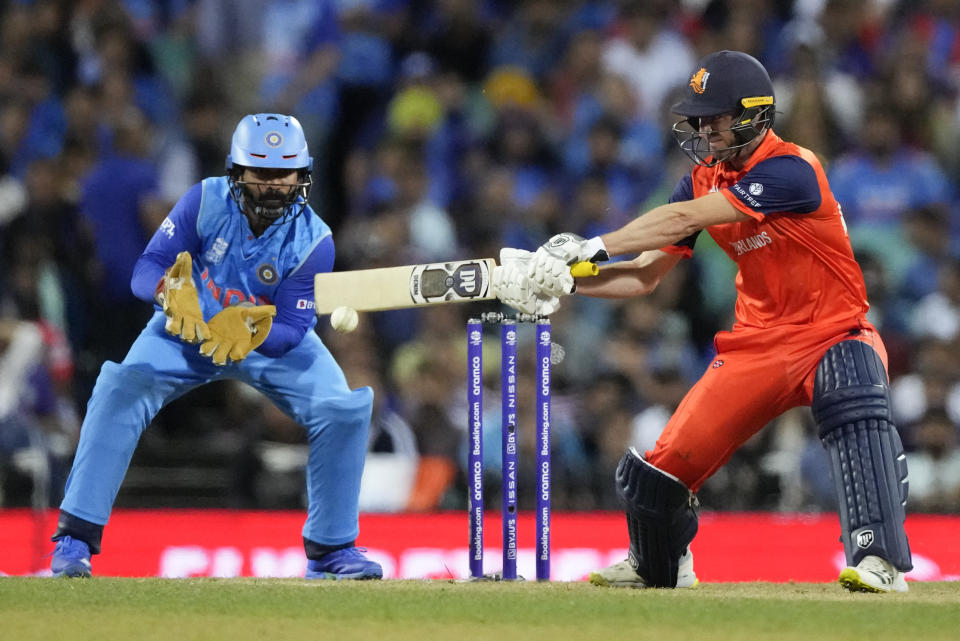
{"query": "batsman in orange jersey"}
(800, 336)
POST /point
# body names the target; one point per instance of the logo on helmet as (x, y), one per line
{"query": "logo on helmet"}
(273, 139)
(698, 81)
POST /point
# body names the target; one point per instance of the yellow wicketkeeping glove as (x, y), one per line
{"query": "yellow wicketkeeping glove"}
(236, 331)
(181, 304)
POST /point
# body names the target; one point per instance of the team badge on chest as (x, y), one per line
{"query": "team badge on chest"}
(267, 274)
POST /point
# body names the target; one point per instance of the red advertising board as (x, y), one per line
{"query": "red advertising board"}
(224, 543)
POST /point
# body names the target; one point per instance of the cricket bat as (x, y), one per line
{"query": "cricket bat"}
(369, 290)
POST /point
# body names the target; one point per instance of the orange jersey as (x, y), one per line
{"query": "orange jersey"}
(795, 263)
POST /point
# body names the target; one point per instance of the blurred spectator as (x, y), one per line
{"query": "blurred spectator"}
(937, 315)
(119, 202)
(668, 388)
(38, 423)
(423, 375)
(934, 381)
(531, 39)
(459, 36)
(880, 182)
(628, 184)
(649, 53)
(935, 463)
(115, 51)
(928, 231)
(196, 151)
(811, 108)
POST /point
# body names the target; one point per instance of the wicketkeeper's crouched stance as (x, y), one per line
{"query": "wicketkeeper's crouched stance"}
(231, 270)
(800, 336)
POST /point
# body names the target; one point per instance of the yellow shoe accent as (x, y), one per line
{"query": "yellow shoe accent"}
(850, 579)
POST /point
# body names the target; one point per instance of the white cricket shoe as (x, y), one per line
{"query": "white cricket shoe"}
(622, 575)
(873, 574)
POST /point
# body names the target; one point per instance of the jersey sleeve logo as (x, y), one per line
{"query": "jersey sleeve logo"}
(755, 188)
(167, 227)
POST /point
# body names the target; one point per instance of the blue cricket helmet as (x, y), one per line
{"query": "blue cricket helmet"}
(269, 141)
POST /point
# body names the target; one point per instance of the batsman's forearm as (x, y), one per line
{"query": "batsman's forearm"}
(659, 227)
(626, 279)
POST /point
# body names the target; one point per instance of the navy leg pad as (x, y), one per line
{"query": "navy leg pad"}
(661, 518)
(851, 405)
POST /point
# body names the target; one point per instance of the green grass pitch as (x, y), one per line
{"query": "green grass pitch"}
(104, 609)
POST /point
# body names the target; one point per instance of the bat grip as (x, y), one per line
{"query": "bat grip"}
(584, 268)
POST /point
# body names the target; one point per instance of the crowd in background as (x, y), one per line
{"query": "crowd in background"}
(441, 130)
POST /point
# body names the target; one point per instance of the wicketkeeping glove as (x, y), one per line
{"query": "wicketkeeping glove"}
(177, 294)
(236, 331)
(514, 288)
(550, 267)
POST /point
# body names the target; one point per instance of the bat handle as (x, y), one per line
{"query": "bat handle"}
(584, 268)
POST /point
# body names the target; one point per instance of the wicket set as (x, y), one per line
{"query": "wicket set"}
(509, 468)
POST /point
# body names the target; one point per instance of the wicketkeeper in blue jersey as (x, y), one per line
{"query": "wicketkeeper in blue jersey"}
(230, 271)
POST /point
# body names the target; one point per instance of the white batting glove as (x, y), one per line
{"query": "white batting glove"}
(514, 288)
(550, 268)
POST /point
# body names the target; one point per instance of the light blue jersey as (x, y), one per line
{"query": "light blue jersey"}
(292, 367)
(232, 266)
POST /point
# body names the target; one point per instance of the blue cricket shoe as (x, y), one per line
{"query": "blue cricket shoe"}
(71, 558)
(348, 563)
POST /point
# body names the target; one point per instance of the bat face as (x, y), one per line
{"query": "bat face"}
(406, 286)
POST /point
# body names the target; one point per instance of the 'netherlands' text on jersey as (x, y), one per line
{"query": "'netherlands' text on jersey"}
(232, 266)
(795, 263)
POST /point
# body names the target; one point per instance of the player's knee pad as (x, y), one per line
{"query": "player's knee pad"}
(661, 518)
(851, 406)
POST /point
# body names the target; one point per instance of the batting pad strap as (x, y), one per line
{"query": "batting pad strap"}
(661, 518)
(852, 411)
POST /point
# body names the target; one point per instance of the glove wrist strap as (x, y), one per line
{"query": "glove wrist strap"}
(595, 250)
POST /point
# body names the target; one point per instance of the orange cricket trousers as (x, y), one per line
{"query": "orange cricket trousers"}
(756, 375)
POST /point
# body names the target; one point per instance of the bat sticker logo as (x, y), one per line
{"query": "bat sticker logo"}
(467, 281)
(449, 281)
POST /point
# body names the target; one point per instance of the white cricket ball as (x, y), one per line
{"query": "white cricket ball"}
(344, 319)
